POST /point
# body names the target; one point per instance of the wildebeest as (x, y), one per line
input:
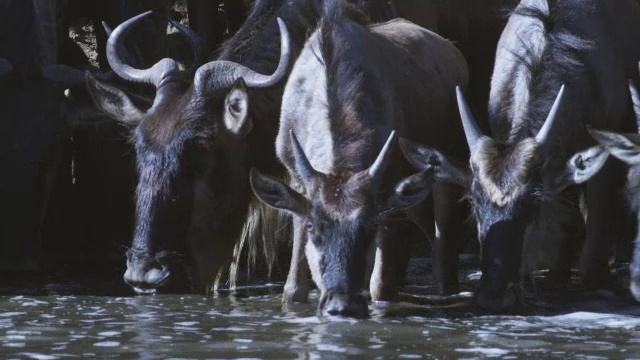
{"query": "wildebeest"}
(350, 91)
(519, 179)
(206, 19)
(115, 12)
(29, 123)
(626, 147)
(195, 145)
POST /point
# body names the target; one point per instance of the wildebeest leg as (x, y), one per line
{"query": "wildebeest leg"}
(627, 225)
(383, 286)
(422, 215)
(407, 235)
(296, 289)
(560, 273)
(601, 205)
(449, 220)
(635, 267)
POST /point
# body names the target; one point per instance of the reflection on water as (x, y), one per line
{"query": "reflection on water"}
(170, 326)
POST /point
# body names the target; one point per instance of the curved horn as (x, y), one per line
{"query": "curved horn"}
(225, 73)
(5, 66)
(306, 171)
(471, 129)
(548, 123)
(149, 76)
(253, 79)
(197, 45)
(376, 171)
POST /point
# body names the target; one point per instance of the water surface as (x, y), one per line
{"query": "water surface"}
(173, 326)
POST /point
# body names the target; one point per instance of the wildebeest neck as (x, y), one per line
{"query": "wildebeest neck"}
(546, 54)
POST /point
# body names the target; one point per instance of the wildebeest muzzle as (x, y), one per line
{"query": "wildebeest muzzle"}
(147, 273)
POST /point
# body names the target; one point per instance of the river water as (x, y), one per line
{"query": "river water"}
(173, 326)
(51, 319)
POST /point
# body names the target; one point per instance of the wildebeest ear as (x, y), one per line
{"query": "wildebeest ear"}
(625, 147)
(113, 101)
(236, 109)
(278, 195)
(581, 167)
(408, 192)
(444, 168)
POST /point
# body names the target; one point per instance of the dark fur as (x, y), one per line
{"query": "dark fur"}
(182, 139)
(378, 78)
(30, 136)
(582, 51)
(563, 58)
(20, 25)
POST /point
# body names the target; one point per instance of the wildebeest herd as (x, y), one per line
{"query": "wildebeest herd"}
(339, 126)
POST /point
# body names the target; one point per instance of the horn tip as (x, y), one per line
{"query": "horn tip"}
(282, 26)
(392, 135)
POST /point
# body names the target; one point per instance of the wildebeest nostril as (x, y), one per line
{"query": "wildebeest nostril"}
(346, 305)
(144, 273)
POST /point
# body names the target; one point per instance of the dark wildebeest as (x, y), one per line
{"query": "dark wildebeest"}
(626, 147)
(206, 19)
(474, 27)
(194, 147)
(29, 123)
(103, 171)
(351, 87)
(115, 12)
(520, 178)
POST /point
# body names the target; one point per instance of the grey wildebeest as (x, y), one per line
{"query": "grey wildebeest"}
(626, 147)
(519, 179)
(195, 145)
(350, 91)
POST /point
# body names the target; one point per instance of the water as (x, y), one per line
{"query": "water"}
(172, 326)
(86, 316)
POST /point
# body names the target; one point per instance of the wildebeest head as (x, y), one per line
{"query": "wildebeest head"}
(191, 148)
(339, 216)
(510, 186)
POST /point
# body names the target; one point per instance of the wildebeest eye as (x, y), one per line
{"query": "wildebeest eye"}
(309, 226)
(236, 107)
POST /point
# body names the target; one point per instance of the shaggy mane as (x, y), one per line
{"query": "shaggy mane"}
(563, 57)
(341, 26)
